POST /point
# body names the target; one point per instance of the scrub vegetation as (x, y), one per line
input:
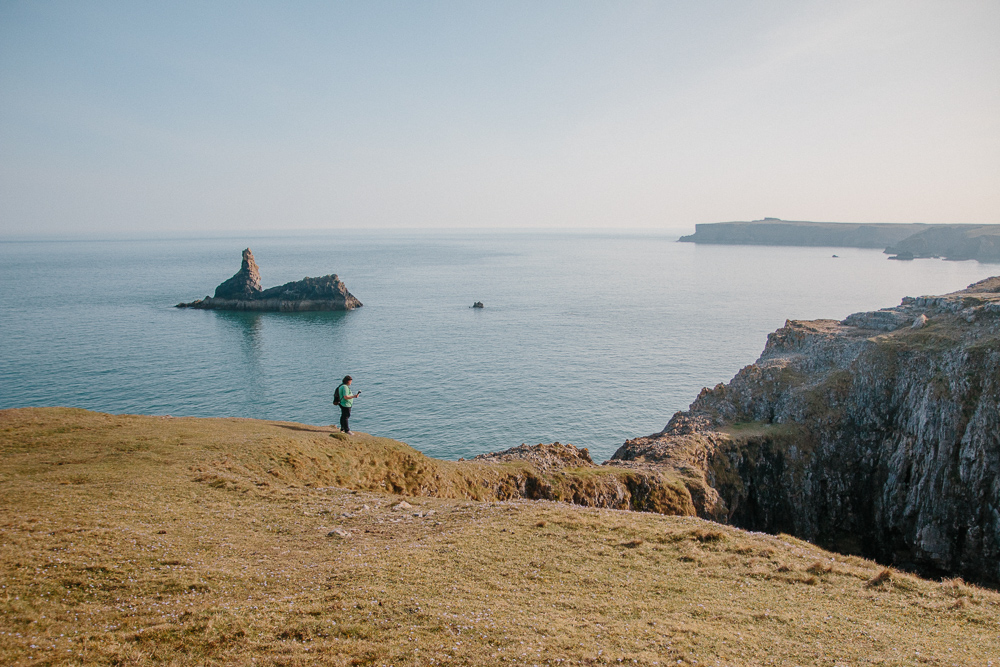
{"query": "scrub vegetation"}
(129, 540)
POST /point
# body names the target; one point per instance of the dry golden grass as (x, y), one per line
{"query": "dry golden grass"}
(142, 540)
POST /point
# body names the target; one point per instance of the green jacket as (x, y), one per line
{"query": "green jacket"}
(338, 396)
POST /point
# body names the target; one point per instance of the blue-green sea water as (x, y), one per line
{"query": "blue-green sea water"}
(586, 338)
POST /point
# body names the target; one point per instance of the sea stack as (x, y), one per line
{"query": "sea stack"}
(245, 284)
(243, 292)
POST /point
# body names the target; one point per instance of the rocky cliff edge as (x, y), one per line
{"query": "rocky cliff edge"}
(877, 435)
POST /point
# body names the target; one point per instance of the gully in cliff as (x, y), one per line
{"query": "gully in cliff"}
(243, 292)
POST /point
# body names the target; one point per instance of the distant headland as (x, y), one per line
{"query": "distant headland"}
(904, 241)
(243, 292)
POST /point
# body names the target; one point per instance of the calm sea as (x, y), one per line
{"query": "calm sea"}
(586, 338)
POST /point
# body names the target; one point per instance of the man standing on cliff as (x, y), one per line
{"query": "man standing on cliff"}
(345, 399)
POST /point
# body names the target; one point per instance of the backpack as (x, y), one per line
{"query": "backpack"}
(337, 396)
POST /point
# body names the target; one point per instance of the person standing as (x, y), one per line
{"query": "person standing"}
(345, 399)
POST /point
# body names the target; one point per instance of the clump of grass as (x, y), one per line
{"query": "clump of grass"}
(708, 536)
(541, 524)
(955, 587)
(962, 593)
(819, 568)
(883, 578)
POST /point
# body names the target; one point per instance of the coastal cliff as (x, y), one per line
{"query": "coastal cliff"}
(957, 242)
(878, 435)
(905, 241)
(243, 292)
(772, 231)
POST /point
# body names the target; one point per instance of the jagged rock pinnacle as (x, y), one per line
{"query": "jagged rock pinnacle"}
(245, 284)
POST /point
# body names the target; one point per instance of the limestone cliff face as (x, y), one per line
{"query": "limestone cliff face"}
(243, 292)
(878, 435)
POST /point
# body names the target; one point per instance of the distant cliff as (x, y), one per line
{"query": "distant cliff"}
(906, 241)
(980, 242)
(878, 435)
(243, 292)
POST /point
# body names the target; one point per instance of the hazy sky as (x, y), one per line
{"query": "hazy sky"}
(175, 117)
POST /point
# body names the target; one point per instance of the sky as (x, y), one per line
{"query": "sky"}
(129, 118)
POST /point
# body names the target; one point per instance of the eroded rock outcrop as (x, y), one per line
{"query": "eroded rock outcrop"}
(877, 435)
(555, 456)
(563, 472)
(243, 292)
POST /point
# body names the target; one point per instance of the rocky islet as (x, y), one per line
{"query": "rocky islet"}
(243, 292)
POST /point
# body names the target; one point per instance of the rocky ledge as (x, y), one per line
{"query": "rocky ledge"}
(243, 292)
(877, 435)
(555, 456)
(563, 472)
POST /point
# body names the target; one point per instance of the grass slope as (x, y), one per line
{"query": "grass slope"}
(139, 540)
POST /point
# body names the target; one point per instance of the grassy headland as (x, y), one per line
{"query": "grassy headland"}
(141, 540)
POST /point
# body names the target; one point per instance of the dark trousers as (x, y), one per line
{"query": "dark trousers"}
(345, 414)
